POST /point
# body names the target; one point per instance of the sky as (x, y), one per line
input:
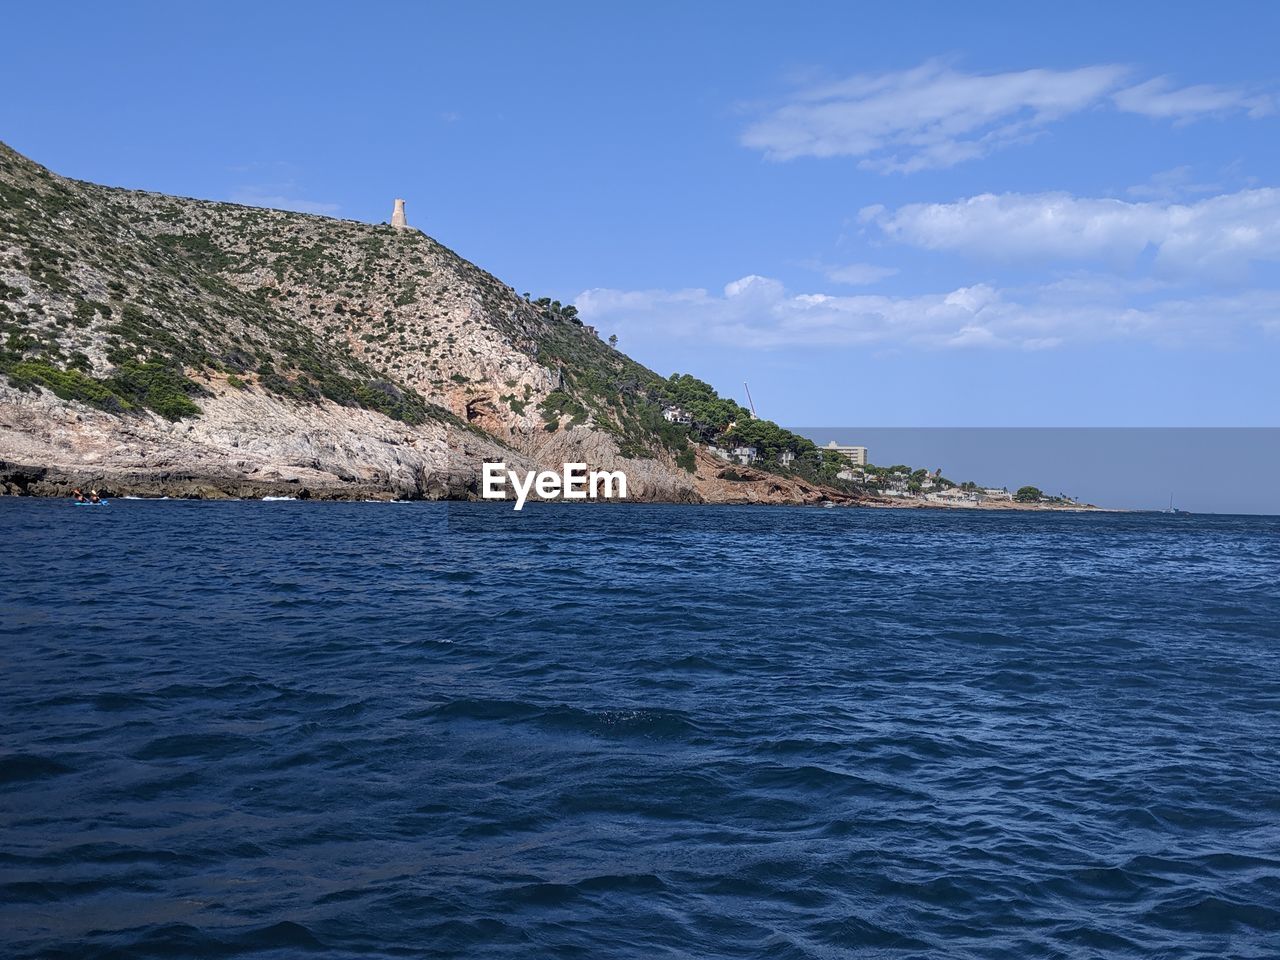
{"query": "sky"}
(892, 215)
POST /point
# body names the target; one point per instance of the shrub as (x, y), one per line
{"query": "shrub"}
(160, 386)
(67, 384)
(558, 404)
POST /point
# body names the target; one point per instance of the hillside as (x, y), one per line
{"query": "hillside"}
(163, 345)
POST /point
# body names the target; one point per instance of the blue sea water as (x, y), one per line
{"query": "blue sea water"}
(408, 730)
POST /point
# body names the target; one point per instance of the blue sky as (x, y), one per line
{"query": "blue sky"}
(890, 215)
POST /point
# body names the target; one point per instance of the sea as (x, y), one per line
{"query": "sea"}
(299, 729)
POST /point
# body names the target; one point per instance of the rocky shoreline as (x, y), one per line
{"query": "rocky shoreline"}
(26, 480)
(32, 480)
(247, 445)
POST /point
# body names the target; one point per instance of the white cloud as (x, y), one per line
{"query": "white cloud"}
(1172, 184)
(934, 116)
(1216, 237)
(759, 312)
(280, 197)
(859, 274)
(1159, 98)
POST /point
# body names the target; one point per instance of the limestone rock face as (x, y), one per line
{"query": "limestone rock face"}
(249, 444)
(246, 444)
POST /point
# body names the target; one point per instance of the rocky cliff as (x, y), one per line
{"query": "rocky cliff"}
(161, 345)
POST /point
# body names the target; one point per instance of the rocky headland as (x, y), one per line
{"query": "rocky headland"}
(162, 346)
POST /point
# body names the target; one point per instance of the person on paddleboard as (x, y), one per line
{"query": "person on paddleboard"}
(93, 497)
(80, 497)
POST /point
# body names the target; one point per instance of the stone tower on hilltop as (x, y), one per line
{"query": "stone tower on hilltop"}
(397, 216)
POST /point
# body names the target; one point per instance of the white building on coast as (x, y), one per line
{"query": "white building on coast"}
(855, 455)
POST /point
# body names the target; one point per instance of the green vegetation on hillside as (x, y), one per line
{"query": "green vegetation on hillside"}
(721, 422)
(554, 311)
(131, 385)
(617, 394)
(155, 307)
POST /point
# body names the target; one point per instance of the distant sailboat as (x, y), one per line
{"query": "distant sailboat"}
(1172, 508)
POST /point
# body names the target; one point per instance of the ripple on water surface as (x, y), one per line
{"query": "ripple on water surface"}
(369, 729)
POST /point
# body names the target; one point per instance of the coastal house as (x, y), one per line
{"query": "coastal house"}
(786, 458)
(720, 452)
(996, 493)
(745, 455)
(677, 415)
